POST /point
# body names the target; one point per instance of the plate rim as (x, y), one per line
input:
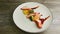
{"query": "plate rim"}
(28, 31)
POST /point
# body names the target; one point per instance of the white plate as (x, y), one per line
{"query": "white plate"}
(23, 23)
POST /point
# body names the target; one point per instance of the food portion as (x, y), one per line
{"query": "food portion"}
(34, 16)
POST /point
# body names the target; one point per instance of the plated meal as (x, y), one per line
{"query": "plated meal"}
(32, 17)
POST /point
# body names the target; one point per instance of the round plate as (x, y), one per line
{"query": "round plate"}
(24, 24)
